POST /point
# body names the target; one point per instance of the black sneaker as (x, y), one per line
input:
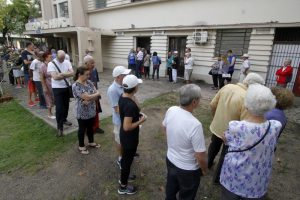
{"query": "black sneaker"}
(129, 189)
(68, 123)
(99, 130)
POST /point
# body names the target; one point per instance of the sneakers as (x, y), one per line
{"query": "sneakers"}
(31, 103)
(51, 117)
(68, 123)
(129, 189)
(99, 130)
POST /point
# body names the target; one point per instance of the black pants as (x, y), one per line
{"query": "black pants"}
(85, 126)
(155, 69)
(127, 159)
(215, 80)
(170, 74)
(62, 99)
(216, 176)
(227, 195)
(39, 88)
(147, 71)
(213, 149)
(186, 182)
(221, 81)
(138, 68)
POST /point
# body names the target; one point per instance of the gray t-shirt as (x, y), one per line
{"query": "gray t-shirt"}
(82, 110)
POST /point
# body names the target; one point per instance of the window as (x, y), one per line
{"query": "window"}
(55, 11)
(63, 9)
(235, 39)
(100, 3)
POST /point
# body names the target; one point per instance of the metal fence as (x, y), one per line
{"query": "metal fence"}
(280, 53)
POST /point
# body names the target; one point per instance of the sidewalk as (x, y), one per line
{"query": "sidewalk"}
(149, 89)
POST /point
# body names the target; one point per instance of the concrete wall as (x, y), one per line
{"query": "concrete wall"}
(196, 12)
(47, 7)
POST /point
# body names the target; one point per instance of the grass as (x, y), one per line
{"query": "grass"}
(27, 143)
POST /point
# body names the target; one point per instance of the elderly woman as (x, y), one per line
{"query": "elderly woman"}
(284, 74)
(247, 165)
(85, 95)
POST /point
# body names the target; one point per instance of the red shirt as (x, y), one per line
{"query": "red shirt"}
(283, 74)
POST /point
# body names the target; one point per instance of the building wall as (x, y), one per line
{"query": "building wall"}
(47, 7)
(196, 12)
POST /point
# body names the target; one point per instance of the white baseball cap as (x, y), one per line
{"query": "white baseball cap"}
(131, 81)
(245, 55)
(118, 70)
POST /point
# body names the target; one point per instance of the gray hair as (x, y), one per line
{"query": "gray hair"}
(88, 59)
(259, 99)
(188, 93)
(289, 61)
(60, 53)
(253, 78)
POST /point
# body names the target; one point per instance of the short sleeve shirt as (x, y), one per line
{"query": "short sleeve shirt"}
(35, 66)
(26, 55)
(184, 137)
(247, 173)
(114, 92)
(64, 67)
(128, 108)
(84, 111)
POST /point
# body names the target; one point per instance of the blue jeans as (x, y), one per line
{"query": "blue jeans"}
(39, 88)
(138, 68)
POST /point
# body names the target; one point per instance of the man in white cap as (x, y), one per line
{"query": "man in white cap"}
(131, 119)
(114, 92)
(244, 68)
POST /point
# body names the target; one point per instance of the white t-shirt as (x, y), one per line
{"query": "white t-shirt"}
(189, 62)
(64, 67)
(35, 66)
(184, 137)
(245, 66)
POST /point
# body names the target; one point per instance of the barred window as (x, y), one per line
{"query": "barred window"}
(235, 39)
(64, 9)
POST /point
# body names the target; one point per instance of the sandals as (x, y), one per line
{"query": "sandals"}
(94, 145)
(83, 150)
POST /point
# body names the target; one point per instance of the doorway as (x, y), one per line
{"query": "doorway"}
(143, 42)
(178, 44)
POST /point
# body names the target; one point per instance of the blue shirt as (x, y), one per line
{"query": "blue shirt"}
(278, 115)
(114, 92)
(247, 174)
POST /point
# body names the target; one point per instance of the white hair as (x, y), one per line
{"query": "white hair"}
(188, 93)
(259, 99)
(60, 53)
(253, 78)
(87, 59)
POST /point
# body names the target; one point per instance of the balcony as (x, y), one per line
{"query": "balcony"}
(37, 25)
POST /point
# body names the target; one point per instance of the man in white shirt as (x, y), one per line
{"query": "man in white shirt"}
(186, 146)
(244, 68)
(188, 67)
(61, 70)
(139, 62)
(35, 67)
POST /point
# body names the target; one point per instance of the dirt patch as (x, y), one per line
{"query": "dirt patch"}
(74, 176)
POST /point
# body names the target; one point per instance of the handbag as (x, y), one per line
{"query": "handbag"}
(67, 83)
(210, 72)
(255, 144)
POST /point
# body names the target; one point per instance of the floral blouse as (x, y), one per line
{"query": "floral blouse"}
(83, 110)
(247, 174)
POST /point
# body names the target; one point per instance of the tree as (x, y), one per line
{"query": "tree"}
(15, 15)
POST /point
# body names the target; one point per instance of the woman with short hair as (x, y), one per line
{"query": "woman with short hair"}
(85, 95)
(251, 143)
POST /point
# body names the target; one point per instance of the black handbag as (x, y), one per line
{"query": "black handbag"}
(67, 83)
(210, 72)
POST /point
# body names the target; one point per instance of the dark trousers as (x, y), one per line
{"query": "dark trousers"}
(147, 71)
(215, 80)
(221, 81)
(216, 176)
(39, 88)
(85, 126)
(227, 195)
(62, 98)
(155, 69)
(213, 149)
(186, 182)
(170, 74)
(126, 162)
(138, 68)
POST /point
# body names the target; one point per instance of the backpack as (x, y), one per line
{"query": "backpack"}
(131, 59)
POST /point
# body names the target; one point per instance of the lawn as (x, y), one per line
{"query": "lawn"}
(27, 143)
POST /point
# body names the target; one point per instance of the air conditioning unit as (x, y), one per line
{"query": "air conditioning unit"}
(200, 37)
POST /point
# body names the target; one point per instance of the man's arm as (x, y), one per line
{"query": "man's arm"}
(202, 161)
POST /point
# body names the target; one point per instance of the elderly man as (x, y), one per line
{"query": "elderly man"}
(227, 105)
(60, 70)
(94, 77)
(114, 92)
(186, 146)
(188, 67)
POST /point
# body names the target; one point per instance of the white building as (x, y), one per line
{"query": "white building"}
(268, 30)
